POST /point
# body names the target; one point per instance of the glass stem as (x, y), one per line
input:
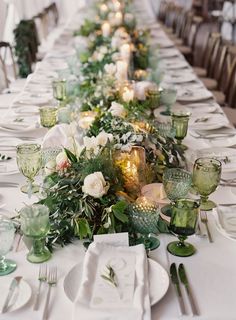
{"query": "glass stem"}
(168, 108)
(30, 187)
(203, 199)
(181, 241)
(2, 263)
(38, 246)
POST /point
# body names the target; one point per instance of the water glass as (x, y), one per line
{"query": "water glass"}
(180, 124)
(168, 98)
(7, 233)
(29, 161)
(183, 222)
(35, 225)
(206, 177)
(48, 116)
(59, 90)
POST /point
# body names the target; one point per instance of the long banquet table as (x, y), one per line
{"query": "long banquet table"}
(212, 270)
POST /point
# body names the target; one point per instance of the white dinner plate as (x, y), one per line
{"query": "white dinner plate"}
(158, 281)
(188, 95)
(227, 156)
(22, 297)
(180, 78)
(208, 121)
(168, 53)
(173, 65)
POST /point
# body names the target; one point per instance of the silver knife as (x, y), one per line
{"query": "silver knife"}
(184, 280)
(175, 281)
(14, 284)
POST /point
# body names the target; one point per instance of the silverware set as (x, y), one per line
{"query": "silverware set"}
(180, 277)
(49, 277)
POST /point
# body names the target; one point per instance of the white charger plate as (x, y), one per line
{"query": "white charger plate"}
(22, 298)
(178, 78)
(158, 281)
(193, 95)
(214, 121)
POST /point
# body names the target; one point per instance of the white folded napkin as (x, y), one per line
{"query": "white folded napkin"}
(98, 299)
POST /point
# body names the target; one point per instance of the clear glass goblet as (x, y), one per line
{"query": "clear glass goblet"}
(29, 161)
(59, 90)
(206, 177)
(177, 183)
(180, 124)
(183, 222)
(35, 225)
(168, 98)
(7, 232)
(143, 219)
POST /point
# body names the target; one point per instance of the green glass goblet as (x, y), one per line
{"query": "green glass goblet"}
(180, 124)
(59, 90)
(183, 223)
(7, 232)
(168, 98)
(143, 220)
(48, 116)
(29, 161)
(35, 225)
(206, 177)
(177, 183)
(166, 130)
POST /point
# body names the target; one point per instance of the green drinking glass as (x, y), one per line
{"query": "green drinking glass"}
(35, 226)
(166, 130)
(29, 161)
(7, 233)
(168, 98)
(48, 116)
(177, 183)
(183, 222)
(59, 90)
(143, 221)
(206, 177)
(180, 124)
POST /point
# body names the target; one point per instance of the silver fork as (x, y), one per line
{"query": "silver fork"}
(52, 281)
(41, 278)
(204, 220)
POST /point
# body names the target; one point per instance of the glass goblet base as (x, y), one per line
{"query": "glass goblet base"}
(34, 188)
(166, 112)
(150, 243)
(34, 257)
(180, 249)
(8, 267)
(207, 205)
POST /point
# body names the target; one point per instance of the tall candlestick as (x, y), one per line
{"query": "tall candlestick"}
(125, 51)
(116, 5)
(118, 18)
(122, 70)
(106, 29)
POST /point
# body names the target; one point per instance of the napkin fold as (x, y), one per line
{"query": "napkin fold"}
(97, 299)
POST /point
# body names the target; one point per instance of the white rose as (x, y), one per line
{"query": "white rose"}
(103, 138)
(86, 122)
(95, 185)
(110, 68)
(50, 167)
(128, 95)
(103, 49)
(117, 110)
(62, 161)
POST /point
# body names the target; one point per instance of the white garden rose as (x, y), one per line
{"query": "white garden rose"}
(128, 95)
(95, 185)
(110, 68)
(103, 137)
(62, 161)
(91, 144)
(117, 110)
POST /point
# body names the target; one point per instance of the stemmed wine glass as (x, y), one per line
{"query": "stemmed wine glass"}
(183, 223)
(35, 225)
(206, 177)
(143, 219)
(7, 232)
(59, 90)
(177, 183)
(29, 161)
(168, 98)
(180, 124)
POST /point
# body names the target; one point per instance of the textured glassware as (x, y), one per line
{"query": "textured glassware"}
(59, 90)
(168, 98)
(177, 183)
(35, 225)
(7, 233)
(166, 130)
(48, 116)
(206, 177)
(50, 154)
(29, 161)
(183, 222)
(180, 124)
(143, 220)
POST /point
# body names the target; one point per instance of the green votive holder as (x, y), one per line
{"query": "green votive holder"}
(183, 223)
(59, 89)
(180, 124)
(48, 116)
(35, 226)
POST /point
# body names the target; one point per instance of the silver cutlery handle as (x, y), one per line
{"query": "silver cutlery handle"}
(36, 303)
(45, 311)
